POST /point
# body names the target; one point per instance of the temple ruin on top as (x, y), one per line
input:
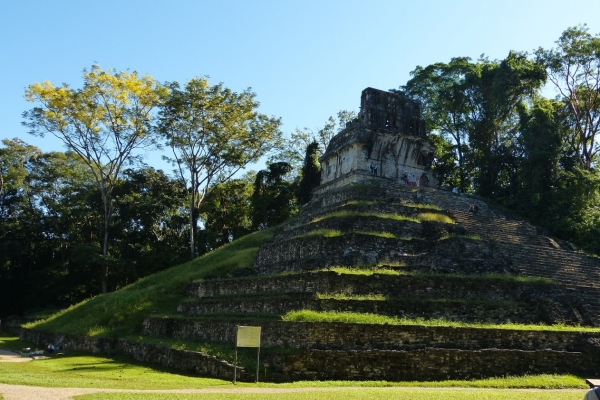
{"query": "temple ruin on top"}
(387, 140)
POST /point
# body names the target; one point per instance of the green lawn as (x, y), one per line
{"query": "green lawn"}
(363, 393)
(98, 371)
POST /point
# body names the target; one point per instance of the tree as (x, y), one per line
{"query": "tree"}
(103, 122)
(497, 90)
(226, 210)
(574, 69)
(150, 232)
(311, 173)
(476, 106)
(43, 220)
(542, 132)
(273, 197)
(214, 133)
(291, 150)
(447, 110)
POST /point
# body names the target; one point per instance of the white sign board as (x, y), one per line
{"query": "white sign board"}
(248, 336)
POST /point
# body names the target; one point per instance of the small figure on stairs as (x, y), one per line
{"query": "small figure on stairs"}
(473, 208)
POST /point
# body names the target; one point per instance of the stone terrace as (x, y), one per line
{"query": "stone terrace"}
(484, 267)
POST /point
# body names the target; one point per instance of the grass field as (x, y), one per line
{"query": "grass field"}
(349, 394)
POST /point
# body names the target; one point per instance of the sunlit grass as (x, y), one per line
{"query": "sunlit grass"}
(422, 206)
(350, 394)
(387, 235)
(435, 217)
(346, 296)
(366, 271)
(347, 214)
(367, 318)
(491, 276)
(470, 237)
(359, 203)
(322, 232)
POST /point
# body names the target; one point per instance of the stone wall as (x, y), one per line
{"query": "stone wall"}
(454, 310)
(433, 364)
(337, 335)
(392, 365)
(182, 360)
(381, 155)
(413, 286)
(455, 255)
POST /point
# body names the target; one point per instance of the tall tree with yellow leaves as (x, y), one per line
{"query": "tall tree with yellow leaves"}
(103, 122)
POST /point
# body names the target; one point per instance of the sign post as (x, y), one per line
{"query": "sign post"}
(247, 336)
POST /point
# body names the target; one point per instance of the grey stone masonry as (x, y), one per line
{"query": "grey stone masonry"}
(388, 140)
(337, 335)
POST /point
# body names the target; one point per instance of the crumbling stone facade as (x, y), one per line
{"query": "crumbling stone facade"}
(387, 140)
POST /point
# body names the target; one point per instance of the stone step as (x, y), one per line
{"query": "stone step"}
(454, 310)
(405, 285)
(406, 229)
(456, 254)
(430, 364)
(352, 336)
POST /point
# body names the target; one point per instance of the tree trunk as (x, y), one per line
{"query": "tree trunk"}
(192, 225)
(104, 267)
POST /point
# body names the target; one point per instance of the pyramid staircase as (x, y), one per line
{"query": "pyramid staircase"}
(349, 251)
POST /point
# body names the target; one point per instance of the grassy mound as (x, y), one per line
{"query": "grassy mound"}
(121, 313)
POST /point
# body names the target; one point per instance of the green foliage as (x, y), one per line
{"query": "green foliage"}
(214, 133)
(51, 229)
(273, 199)
(226, 212)
(102, 123)
(311, 173)
(573, 69)
(122, 312)
(292, 150)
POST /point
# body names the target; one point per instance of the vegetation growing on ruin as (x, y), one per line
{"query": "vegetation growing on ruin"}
(387, 235)
(346, 296)
(322, 232)
(435, 217)
(454, 236)
(367, 318)
(422, 206)
(348, 214)
(367, 271)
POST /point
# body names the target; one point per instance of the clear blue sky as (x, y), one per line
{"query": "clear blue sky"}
(305, 59)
